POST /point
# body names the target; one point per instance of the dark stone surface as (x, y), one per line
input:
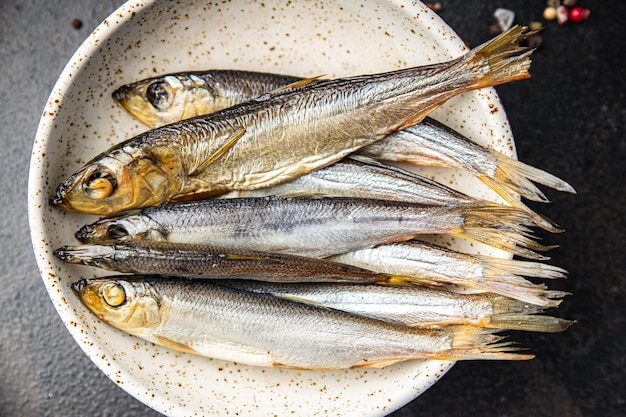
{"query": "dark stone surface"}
(568, 119)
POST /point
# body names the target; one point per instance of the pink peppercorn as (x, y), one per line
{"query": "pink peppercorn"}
(578, 14)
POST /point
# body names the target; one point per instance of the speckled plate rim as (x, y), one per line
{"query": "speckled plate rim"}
(425, 373)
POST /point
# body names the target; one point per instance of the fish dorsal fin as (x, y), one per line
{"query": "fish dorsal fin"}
(300, 83)
(418, 117)
(367, 160)
(232, 140)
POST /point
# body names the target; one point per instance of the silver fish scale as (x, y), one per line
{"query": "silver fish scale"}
(296, 334)
(313, 227)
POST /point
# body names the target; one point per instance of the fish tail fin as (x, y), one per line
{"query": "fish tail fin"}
(506, 268)
(505, 277)
(501, 227)
(506, 59)
(512, 176)
(517, 315)
(517, 176)
(475, 343)
(510, 197)
(526, 292)
(513, 287)
(498, 61)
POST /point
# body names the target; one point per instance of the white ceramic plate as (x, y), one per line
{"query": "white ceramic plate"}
(305, 38)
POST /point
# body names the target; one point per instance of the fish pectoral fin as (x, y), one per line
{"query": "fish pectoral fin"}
(292, 86)
(296, 368)
(171, 344)
(366, 160)
(380, 364)
(301, 300)
(189, 194)
(218, 348)
(418, 117)
(232, 140)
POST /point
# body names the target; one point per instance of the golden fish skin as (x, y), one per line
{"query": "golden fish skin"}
(428, 143)
(212, 262)
(281, 136)
(316, 227)
(412, 305)
(170, 98)
(264, 330)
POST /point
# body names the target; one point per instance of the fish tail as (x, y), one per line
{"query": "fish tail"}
(508, 194)
(504, 277)
(517, 315)
(498, 61)
(505, 58)
(506, 268)
(501, 227)
(525, 291)
(512, 176)
(517, 176)
(510, 286)
(475, 343)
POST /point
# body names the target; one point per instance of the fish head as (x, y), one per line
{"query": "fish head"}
(128, 305)
(92, 255)
(116, 181)
(160, 101)
(130, 226)
(111, 257)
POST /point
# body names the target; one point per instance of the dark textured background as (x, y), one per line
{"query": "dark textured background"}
(568, 119)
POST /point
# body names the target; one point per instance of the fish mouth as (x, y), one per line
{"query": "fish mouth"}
(84, 233)
(79, 286)
(72, 254)
(59, 201)
(86, 255)
(64, 254)
(119, 95)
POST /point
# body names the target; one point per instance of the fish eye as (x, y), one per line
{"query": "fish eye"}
(158, 95)
(116, 232)
(113, 294)
(100, 184)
